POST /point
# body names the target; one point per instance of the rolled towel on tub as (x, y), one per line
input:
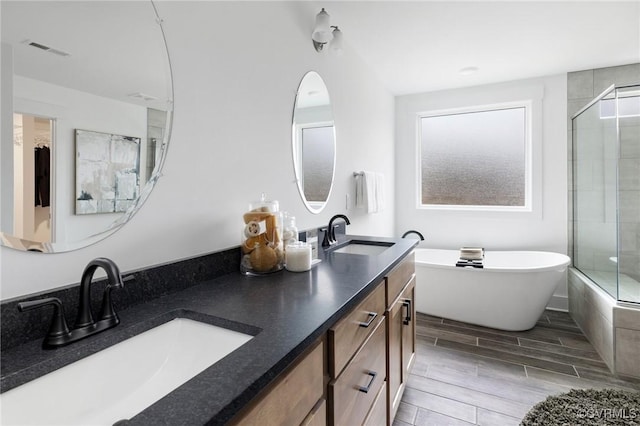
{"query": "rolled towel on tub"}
(472, 253)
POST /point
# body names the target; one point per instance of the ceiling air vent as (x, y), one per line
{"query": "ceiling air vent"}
(46, 48)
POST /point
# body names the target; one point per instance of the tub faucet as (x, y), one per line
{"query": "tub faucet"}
(59, 334)
(330, 234)
(412, 231)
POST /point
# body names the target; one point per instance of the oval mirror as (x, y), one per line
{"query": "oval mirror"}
(314, 142)
(86, 114)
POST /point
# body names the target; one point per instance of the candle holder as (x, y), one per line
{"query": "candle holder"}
(298, 257)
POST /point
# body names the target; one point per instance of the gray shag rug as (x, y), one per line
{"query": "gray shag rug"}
(586, 407)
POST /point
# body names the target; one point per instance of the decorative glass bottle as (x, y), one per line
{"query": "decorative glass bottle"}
(290, 231)
(262, 248)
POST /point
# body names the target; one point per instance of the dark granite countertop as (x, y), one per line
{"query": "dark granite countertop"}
(285, 311)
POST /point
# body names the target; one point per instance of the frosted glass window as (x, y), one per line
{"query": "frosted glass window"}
(476, 158)
(317, 162)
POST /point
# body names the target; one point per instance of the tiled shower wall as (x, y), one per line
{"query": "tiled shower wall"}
(614, 330)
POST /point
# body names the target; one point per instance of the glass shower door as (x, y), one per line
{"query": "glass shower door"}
(595, 177)
(628, 120)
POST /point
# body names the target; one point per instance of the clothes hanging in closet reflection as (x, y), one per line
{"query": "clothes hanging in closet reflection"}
(42, 175)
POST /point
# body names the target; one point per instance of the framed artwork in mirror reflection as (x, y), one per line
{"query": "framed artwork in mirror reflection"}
(107, 172)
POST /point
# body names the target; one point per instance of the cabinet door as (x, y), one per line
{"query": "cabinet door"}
(401, 345)
(408, 328)
(395, 374)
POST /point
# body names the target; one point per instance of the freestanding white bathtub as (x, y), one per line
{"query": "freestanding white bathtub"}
(509, 293)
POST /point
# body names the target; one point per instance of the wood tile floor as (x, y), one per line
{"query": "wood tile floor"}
(465, 374)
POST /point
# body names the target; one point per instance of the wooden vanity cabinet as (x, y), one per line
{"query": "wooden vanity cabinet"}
(356, 374)
(401, 331)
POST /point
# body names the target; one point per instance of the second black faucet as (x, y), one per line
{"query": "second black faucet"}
(330, 234)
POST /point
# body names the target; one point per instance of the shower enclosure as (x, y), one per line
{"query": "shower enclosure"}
(606, 192)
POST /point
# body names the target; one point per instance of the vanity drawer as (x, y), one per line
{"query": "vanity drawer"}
(346, 336)
(317, 417)
(353, 394)
(399, 277)
(378, 414)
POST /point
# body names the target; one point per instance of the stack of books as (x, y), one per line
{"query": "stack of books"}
(471, 257)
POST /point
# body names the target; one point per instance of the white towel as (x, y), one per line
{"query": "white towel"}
(370, 192)
(360, 192)
(472, 253)
(379, 192)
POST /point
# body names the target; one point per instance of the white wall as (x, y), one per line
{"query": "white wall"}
(545, 228)
(236, 67)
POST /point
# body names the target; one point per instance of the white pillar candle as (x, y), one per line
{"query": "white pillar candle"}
(298, 257)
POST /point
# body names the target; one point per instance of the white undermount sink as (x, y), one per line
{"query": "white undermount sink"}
(364, 248)
(122, 380)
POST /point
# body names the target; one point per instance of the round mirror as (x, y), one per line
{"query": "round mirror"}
(314, 142)
(86, 114)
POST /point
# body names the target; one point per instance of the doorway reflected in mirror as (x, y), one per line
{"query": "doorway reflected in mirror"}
(32, 207)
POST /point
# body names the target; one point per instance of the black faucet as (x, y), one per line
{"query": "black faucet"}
(85, 318)
(413, 232)
(59, 334)
(330, 234)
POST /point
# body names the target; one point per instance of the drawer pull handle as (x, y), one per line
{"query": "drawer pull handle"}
(372, 316)
(364, 389)
(407, 304)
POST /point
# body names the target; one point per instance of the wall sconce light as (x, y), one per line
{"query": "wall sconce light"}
(324, 33)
